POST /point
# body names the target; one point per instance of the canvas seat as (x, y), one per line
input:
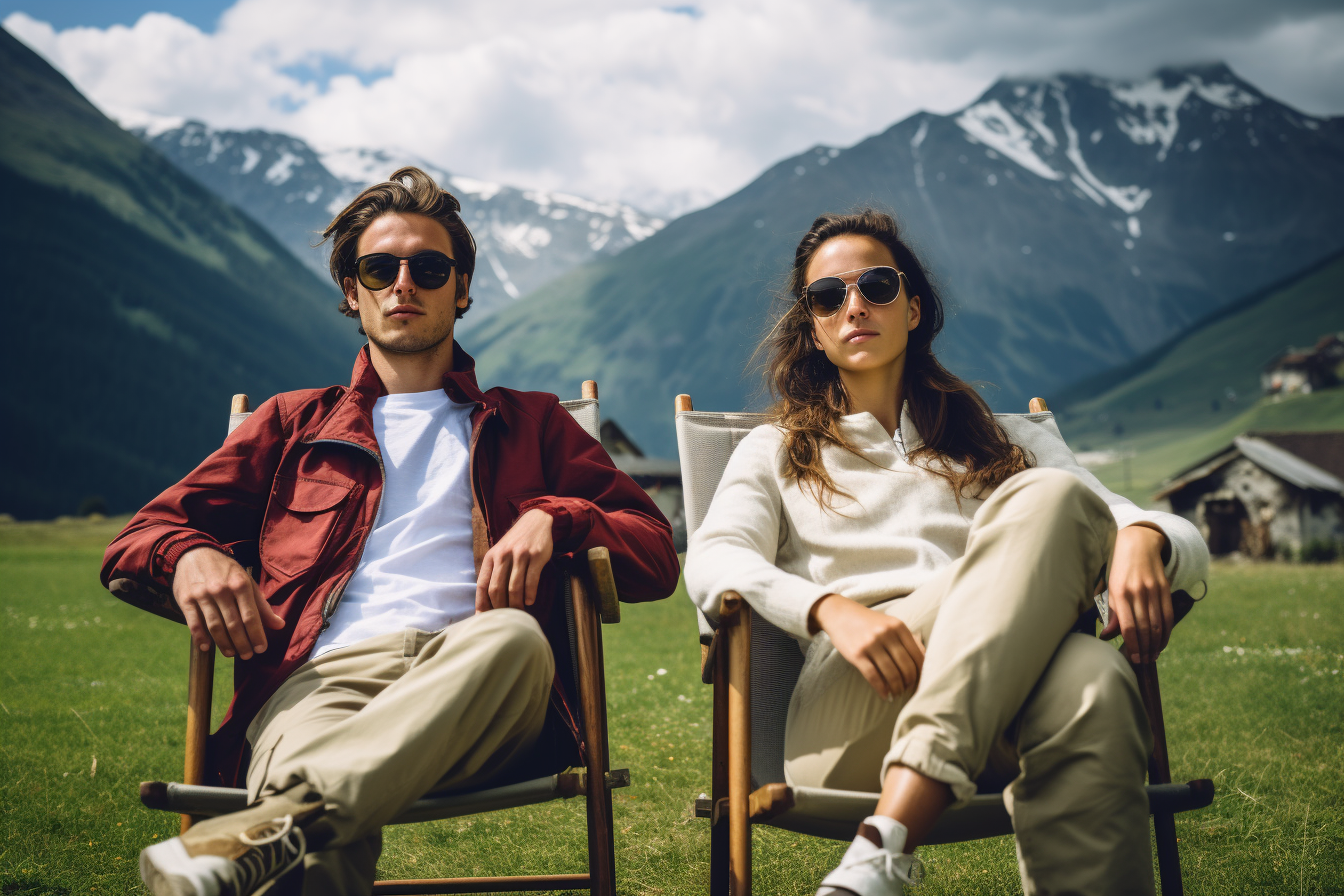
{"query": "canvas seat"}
(590, 599)
(753, 666)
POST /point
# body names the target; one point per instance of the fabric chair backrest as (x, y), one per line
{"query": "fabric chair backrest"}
(705, 441)
(583, 410)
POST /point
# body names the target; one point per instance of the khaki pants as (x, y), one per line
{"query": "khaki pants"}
(376, 725)
(1006, 692)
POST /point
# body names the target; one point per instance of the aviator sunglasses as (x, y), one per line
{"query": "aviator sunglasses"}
(879, 286)
(429, 269)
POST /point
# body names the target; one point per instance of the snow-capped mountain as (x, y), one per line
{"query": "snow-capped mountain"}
(524, 237)
(1073, 223)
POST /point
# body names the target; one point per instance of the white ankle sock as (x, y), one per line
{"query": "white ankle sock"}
(892, 831)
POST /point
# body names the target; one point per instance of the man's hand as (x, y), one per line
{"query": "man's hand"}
(1141, 610)
(512, 568)
(221, 602)
(884, 650)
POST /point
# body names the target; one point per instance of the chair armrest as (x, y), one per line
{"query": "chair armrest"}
(604, 582)
(1181, 604)
(708, 652)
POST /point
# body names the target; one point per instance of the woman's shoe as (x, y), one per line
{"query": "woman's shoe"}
(874, 864)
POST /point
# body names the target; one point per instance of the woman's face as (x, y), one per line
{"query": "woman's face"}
(861, 336)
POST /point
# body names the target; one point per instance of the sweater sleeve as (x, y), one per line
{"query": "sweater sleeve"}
(735, 547)
(1188, 564)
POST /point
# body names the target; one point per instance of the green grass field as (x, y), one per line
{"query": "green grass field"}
(92, 701)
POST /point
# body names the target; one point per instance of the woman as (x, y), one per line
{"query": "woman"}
(932, 560)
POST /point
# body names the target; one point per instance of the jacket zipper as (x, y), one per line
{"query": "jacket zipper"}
(471, 473)
(334, 598)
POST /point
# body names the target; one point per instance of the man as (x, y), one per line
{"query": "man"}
(402, 629)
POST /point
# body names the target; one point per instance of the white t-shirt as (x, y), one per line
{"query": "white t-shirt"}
(417, 570)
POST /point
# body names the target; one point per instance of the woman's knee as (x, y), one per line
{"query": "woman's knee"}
(1088, 699)
(1050, 487)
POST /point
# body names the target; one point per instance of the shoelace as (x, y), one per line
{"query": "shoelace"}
(891, 864)
(274, 852)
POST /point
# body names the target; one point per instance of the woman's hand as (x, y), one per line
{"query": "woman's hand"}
(1140, 596)
(512, 568)
(884, 650)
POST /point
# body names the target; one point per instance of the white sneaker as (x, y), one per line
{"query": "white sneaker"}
(233, 855)
(874, 864)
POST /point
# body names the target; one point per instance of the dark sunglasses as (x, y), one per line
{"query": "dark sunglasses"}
(429, 270)
(879, 286)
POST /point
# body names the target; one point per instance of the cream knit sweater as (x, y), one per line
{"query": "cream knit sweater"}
(769, 540)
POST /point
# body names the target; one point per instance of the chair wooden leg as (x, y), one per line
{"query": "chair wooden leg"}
(737, 616)
(1159, 772)
(718, 832)
(200, 687)
(592, 697)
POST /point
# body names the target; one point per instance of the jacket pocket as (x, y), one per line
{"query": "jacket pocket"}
(299, 520)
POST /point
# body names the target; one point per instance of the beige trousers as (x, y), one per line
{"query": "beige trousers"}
(1006, 693)
(374, 726)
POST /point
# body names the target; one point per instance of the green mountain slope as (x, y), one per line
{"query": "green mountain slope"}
(1066, 241)
(138, 301)
(1190, 396)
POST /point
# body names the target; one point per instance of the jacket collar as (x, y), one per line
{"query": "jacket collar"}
(351, 420)
(460, 382)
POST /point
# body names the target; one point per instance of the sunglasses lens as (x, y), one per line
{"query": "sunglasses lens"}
(880, 286)
(378, 271)
(430, 270)
(826, 295)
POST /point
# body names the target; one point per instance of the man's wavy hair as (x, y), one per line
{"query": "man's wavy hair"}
(962, 441)
(408, 191)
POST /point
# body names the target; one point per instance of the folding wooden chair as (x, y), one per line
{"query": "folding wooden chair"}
(590, 596)
(754, 666)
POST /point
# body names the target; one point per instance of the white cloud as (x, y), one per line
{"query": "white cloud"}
(635, 101)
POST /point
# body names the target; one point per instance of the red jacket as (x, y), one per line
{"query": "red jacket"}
(293, 494)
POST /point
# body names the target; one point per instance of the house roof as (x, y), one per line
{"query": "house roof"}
(1322, 449)
(1273, 453)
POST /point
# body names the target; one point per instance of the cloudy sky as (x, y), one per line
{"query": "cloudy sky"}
(662, 104)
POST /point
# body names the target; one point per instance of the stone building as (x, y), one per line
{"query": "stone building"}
(1305, 370)
(1267, 494)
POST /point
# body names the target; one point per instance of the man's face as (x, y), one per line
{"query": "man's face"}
(405, 318)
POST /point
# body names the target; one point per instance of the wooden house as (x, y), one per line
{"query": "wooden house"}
(1267, 494)
(1298, 370)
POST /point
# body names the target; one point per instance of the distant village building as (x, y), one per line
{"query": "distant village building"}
(660, 478)
(1297, 370)
(1267, 494)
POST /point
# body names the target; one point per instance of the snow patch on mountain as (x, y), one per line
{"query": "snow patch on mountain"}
(482, 190)
(1128, 199)
(1228, 96)
(283, 168)
(363, 166)
(1155, 119)
(995, 127)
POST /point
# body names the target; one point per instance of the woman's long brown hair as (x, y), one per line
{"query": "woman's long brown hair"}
(962, 441)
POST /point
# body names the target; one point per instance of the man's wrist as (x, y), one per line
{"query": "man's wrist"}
(171, 554)
(562, 523)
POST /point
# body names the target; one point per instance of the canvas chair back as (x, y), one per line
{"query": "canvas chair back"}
(705, 442)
